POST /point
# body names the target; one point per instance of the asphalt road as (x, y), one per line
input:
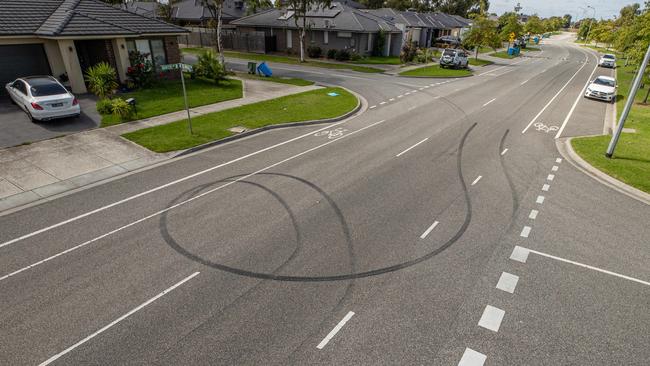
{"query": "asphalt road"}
(439, 226)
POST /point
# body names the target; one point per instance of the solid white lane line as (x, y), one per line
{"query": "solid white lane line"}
(524, 82)
(540, 199)
(472, 358)
(427, 231)
(174, 182)
(67, 350)
(589, 267)
(405, 151)
(477, 179)
(575, 104)
(519, 254)
(336, 329)
(558, 160)
(533, 214)
(491, 318)
(189, 200)
(550, 177)
(507, 282)
(372, 106)
(504, 151)
(525, 231)
(555, 168)
(391, 99)
(486, 104)
(545, 187)
(382, 103)
(554, 97)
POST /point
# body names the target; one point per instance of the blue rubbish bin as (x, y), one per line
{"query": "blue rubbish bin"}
(511, 51)
(264, 69)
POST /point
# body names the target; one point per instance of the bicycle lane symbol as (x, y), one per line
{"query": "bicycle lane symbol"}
(539, 126)
(331, 134)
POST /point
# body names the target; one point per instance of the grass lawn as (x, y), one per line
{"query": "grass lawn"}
(435, 71)
(484, 49)
(167, 96)
(214, 126)
(276, 79)
(296, 61)
(379, 60)
(479, 62)
(631, 161)
(502, 54)
(531, 49)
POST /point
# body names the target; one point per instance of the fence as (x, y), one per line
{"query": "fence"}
(256, 42)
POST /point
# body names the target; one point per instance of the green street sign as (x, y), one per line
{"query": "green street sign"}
(179, 66)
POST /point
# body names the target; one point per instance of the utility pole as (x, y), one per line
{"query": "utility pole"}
(628, 104)
(591, 22)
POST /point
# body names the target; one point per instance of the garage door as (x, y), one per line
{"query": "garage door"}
(22, 60)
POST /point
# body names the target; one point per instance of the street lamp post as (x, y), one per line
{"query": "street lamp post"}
(591, 22)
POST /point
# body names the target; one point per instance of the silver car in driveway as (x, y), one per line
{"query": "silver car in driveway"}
(454, 58)
(43, 98)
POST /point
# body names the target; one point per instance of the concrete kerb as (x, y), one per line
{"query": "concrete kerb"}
(362, 106)
(566, 150)
(361, 103)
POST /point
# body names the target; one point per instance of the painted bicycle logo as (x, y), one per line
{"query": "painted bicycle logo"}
(539, 126)
(331, 134)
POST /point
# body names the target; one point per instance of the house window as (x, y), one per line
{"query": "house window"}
(326, 37)
(154, 48)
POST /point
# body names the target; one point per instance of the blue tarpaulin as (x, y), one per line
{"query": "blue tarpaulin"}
(264, 69)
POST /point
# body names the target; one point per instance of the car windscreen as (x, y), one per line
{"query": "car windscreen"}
(609, 57)
(449, 53)
(605, 82)
(43, 90)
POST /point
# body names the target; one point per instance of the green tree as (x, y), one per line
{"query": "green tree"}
(300, 9)
(567, 20)
(252, 6)
(483, 34)
(215, 8)
(534, 25)
(509, 25)
(373, 4)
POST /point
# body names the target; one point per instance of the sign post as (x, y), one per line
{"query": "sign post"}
(182, 67)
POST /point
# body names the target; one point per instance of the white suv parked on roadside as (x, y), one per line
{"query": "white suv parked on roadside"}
(607, 60)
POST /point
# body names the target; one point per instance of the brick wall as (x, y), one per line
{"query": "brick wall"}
(173, 53)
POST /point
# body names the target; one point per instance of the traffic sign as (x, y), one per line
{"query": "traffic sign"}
(178, 66)
(512, 36)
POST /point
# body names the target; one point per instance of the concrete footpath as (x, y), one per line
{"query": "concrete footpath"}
(32, 172)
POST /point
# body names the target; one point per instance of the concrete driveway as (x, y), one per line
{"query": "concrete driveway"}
(16, 128)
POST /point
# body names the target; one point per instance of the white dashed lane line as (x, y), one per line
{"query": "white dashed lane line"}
(540, 199)
(391, 99)
(491, 318)
(486, 104)
(382, 103)
(407, 150)
(504, 152)
(429, 229)
(507, 282)
(472, 358)
(336, 329)
(400, 96)
(525, 231)
(555, 168)
(373, 106)
(477, 179)
(545, 187)
(533, 214)
(558, 160)
(550, 177)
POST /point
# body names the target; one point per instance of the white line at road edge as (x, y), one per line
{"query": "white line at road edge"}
(336, 329)
(556, 95)
(58, 355)
(187, 201)
(523, 253)
(486, 104)
(405, 151)
(427, 231)
(141, 194)
(575, 104)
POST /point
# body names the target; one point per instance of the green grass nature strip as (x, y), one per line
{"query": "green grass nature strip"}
(296, 61)
(631, 161)
(307, 106)
(277, 79)
(502, 54)
(479, 62)
(379, 60)
(167, 96)
(435, 71)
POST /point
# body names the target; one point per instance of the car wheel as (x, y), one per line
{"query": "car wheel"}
(31, 118)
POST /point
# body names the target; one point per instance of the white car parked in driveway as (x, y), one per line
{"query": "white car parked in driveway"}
(43, 98)
(603, 88)
(607, 60)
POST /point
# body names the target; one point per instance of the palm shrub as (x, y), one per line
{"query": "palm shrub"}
(209, 67)
(105, 106)
(102, 80)
(121, 108)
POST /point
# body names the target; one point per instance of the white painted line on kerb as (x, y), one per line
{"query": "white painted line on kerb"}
(558, 160)
(180, 180)
(427, 231)
(555, 168)
(554, 97)
(373, 106)
(540, 199)
(67, 350)
(525, 232)
(472, 358)
(575, 104)
(533, 214)
(546, 187)
(382, 103)
(504, 151)
(477, 179)
(507, 282)
(491, 318)
(234, 181)
(336, 329)
(405, 151)
(586, 266)
(550, 177)
(486, 104)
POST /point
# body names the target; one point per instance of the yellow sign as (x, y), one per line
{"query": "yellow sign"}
(512, 36)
